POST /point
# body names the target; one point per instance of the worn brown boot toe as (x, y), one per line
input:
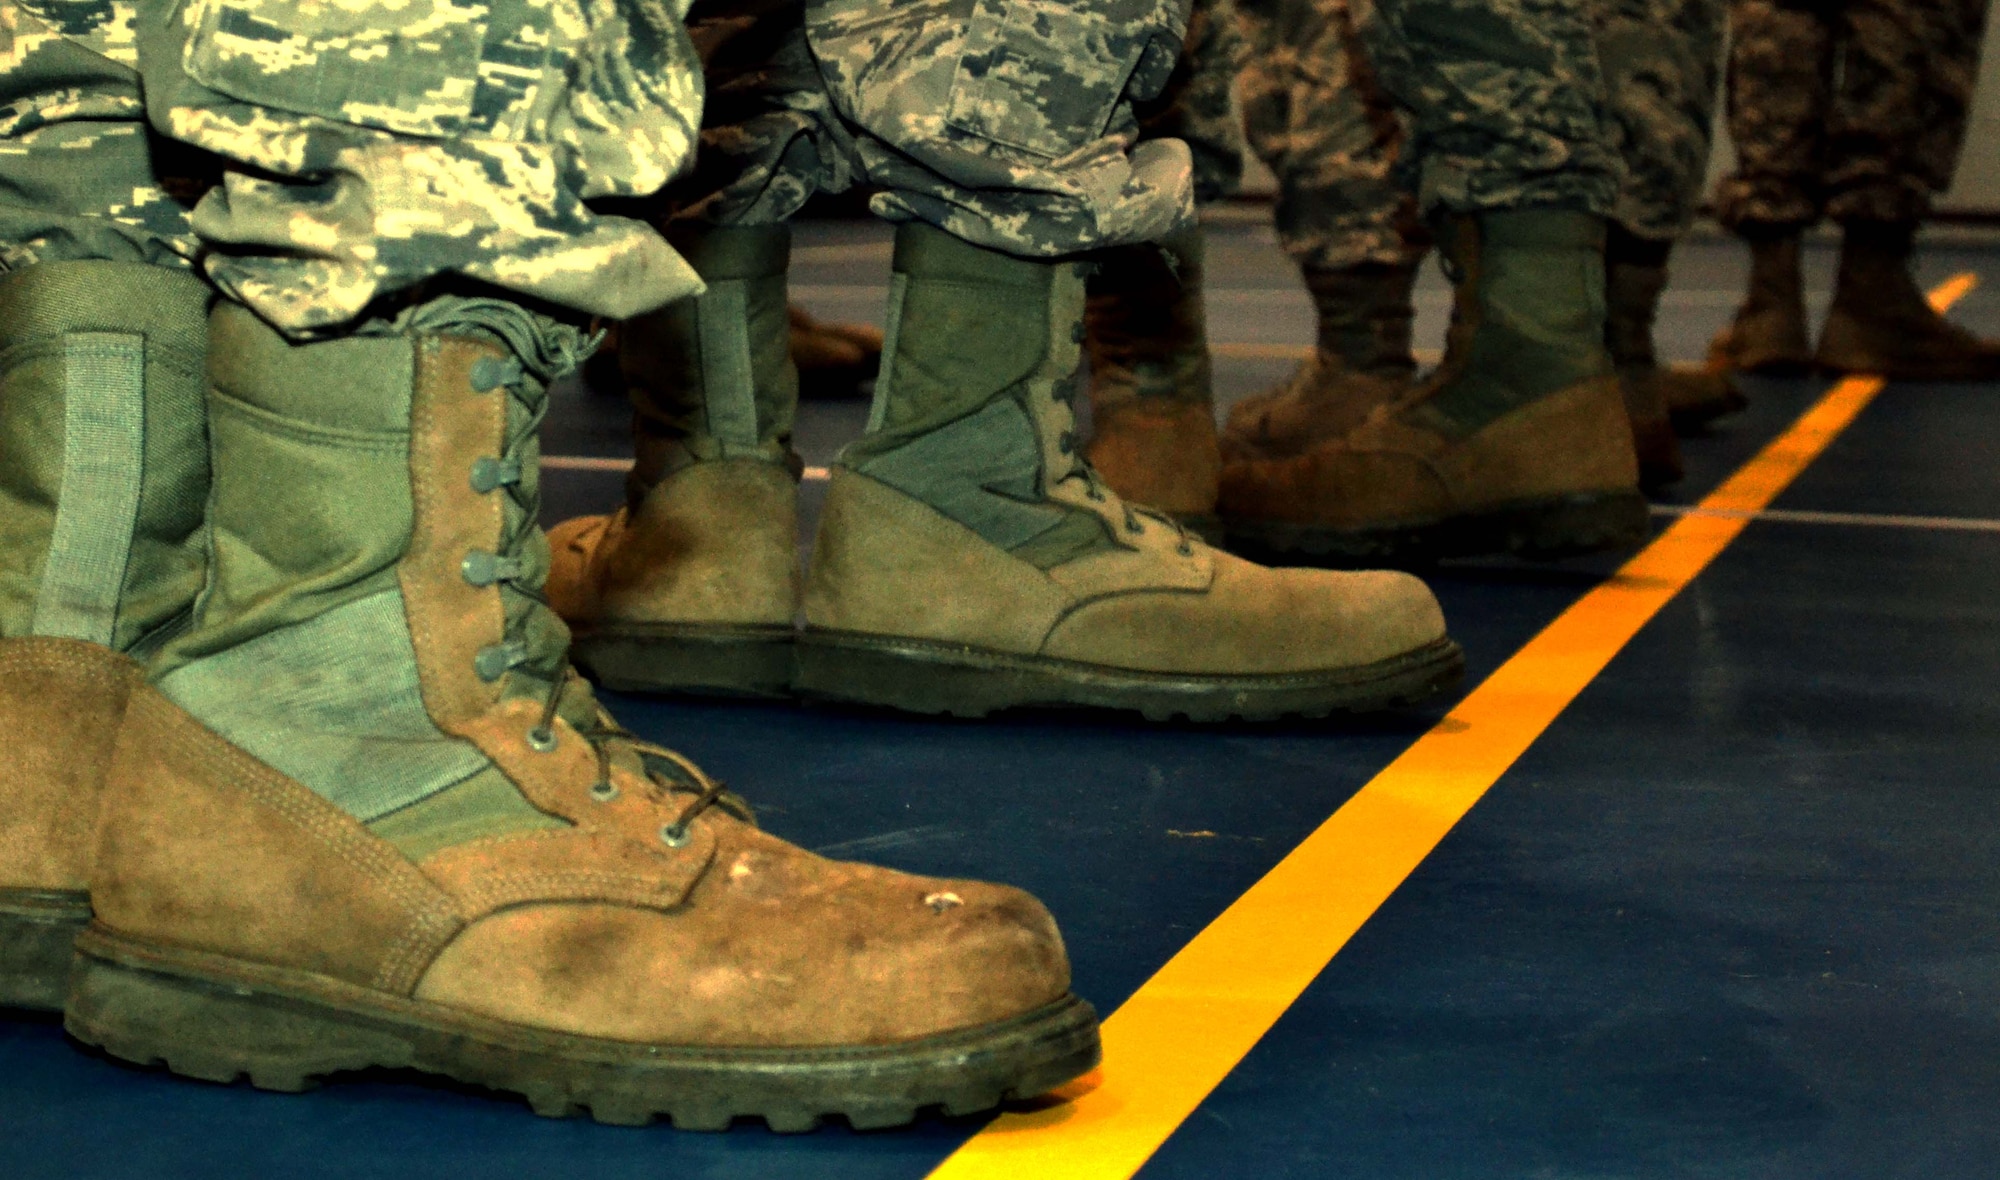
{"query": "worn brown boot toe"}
(634, 961)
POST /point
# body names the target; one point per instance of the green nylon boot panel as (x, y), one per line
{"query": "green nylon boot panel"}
(1528, 314)
(301, 651)
(105, 469)
(972, 413)
(712, 377)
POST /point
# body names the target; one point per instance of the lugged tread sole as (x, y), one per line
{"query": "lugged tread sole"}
(687, 658)
(37, 930)
(222, 1020)
(1538, 530)
(925, 676)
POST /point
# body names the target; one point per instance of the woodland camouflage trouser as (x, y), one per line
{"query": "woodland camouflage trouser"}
(1851, 109)
(1008, 123)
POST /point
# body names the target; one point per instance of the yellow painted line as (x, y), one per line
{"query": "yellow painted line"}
(1187, 1027)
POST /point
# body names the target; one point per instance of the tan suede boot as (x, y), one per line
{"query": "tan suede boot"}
(1362, 360)
(1635, 275)
(1152, 401)
(1881, 323)
(693, 585)
(1518, 443)
(1768, 334)
(103, 471)
(364, 817)
(967, 560)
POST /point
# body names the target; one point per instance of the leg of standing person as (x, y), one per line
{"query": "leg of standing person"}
(967, 558)
(361, 813)
(1780, 84)
(1519, 441)
(1660, 60)
(1152, 399)
(1317, 115)
(1908, 70)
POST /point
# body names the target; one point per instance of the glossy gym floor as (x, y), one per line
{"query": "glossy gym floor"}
(1733, 911)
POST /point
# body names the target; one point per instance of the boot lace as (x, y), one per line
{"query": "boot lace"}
(667, 772)
(1100, 492)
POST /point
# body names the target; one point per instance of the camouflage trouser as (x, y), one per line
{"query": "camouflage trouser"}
(1506, 102)
(1196, 107)
(1852, 109)
(1321, 117)
(1008, 123)
(1660, 60)
(367, 148)
(1317, 115)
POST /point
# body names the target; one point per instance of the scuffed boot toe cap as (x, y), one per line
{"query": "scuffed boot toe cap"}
(775, 948)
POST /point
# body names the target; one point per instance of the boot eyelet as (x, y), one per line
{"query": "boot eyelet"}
(1184, 549)
(604, 792)
(542, 739)
(675, 836)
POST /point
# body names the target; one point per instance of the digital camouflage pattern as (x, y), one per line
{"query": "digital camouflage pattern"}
(1506, 102)
(370, 146)
(77, 162)
(1007, 123)
(1198, 106)
(1318, 117)
(1850, 110)
(1661, 59)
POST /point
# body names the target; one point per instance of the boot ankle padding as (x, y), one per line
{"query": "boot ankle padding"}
(219, 868)
(1393, 471)
(712, 543)
(101, 420)
(61, 701)
(886, 564)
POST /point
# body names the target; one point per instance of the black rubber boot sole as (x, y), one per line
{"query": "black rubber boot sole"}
(1539, 530)
(690, 659)
(37, 930)
(924, 676)
(220, 1020)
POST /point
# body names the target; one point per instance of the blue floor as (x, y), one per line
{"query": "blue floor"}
(1736, 914)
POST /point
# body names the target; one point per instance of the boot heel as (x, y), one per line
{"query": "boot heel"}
(216, 1032)
(37, 933)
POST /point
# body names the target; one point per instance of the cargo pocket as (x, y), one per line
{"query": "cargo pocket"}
(1045, 75)
(429, 68)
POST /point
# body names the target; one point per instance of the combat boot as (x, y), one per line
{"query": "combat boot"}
(365, 816)
(1152, 400)
(969, 560)
(1635, 275)
(103, 474)
(692, 586)
(1768, 334)
(1517, 443)
(1881, 323)
(1362, 360)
